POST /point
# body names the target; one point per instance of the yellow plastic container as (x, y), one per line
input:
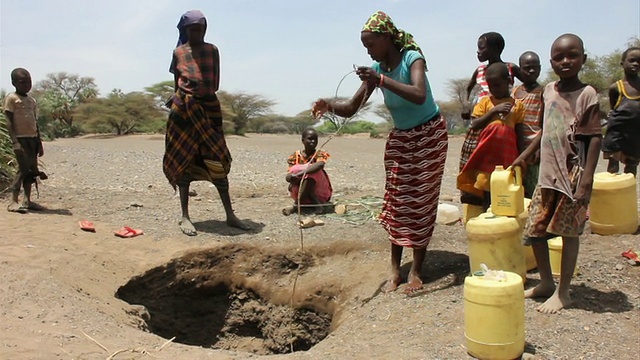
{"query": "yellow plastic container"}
(494, 317)
(507, 192)
(470, 211)
(614, 204)
(555, 256)
(497, 242)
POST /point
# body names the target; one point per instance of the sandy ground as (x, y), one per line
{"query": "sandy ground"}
(62, 289)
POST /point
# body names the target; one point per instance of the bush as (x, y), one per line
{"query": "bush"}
(275, 128)
(60, 130)
(7, 157)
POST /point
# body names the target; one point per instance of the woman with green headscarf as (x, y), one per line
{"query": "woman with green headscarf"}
(416, 148)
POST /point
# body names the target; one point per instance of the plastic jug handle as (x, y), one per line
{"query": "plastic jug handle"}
(518, 172)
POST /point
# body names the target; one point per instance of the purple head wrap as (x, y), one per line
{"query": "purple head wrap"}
(189, 18)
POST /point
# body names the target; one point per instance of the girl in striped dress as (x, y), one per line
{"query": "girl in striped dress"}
(490, 47)
(416, 148)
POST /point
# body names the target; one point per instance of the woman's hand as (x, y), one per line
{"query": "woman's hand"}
(367, 74)
(320, 107)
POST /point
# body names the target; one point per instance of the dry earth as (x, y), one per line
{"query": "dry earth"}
(226, 294)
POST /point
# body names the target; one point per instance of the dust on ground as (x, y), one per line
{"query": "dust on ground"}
(227, 294)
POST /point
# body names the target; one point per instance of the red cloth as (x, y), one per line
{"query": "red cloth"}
(496, 146)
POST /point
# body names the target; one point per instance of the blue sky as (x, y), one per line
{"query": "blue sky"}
(291, 51)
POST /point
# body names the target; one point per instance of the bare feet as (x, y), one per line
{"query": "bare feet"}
(391, 284)
(233, 221)
(414, 283)
(187, 227)
(541, 290)
(554, 304)
(15, 207)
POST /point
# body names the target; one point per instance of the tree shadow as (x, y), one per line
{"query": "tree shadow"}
(220, 227)
(441, 270)
(593, 300)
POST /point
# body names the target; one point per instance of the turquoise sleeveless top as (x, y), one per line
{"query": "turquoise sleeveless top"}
(405, 114)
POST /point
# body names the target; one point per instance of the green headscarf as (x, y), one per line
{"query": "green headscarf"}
(381, 23)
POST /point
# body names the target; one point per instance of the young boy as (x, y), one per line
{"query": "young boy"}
(315, 188)
(21, 112)
(499, 118)
(569, 146)
(622, 140)
(530, 95)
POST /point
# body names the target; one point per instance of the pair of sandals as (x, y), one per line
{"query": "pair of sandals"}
(124, 232)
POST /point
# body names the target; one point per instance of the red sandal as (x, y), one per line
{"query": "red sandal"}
(87, 225)
(631, 255)
(127, 232)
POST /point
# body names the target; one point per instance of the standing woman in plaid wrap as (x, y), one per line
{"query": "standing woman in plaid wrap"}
(416, 148)
(195, 148)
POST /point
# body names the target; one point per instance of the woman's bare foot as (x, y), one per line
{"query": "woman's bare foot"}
(233, 221)
(541, 290)
(414, 283)
(15, 207)
(187, 227)
(391, 284)
(554, 304)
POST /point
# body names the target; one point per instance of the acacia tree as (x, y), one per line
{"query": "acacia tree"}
(303, 120)
(451, 111)
(161, 92)
(337, 121)
(239, 108)
(119, 112)
(59, 94)
(382, 112)
(457, 91)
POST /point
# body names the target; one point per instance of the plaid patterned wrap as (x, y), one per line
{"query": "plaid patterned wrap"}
(195, 138)
(198, 69)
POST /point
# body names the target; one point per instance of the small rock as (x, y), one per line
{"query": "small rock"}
(340, 209)
(619, 267)
(446, 198)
